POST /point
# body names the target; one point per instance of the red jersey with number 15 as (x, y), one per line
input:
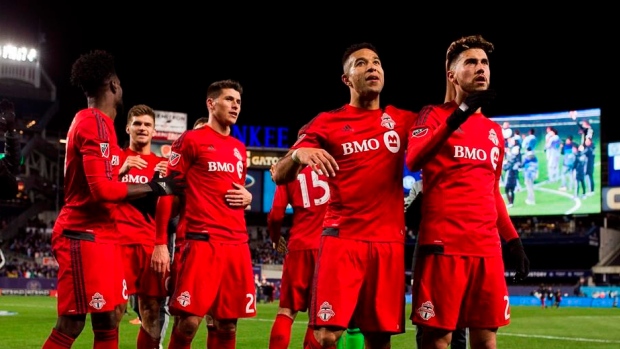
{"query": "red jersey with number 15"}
(308, 195)
(211, 163)
(366, 195)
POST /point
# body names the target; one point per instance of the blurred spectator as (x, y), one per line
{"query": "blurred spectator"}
(9, 164)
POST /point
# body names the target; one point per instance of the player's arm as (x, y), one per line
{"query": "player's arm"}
(508, 232)
(307, 151)
(184, 152)
(286, 169)
(239, 196)
(104, 186)
(160, 259)
(426, 138)
(277, 213)
(425, 141)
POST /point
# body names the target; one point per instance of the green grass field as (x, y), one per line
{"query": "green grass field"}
(531, 328)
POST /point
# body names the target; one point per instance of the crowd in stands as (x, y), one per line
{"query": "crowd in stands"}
(29, 253)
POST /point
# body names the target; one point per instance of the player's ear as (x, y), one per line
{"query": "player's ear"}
(127, 129)
(345, 80)
(112, 86)
(450, 75)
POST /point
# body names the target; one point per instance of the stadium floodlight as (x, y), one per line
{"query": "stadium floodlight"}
(20, 54)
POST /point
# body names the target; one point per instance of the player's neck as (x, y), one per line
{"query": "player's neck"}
(140, 149)
(362, 103)
(102, 105)
(219, 128)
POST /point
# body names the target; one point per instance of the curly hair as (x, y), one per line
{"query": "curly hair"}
(465, 43)
(92, 70)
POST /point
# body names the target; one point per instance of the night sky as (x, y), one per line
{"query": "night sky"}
(288, 59)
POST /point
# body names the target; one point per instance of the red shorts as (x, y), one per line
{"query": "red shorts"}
(215, 278)
(174, 269)
(90, 276)
(141, 278)
(451, 292)
(359, 281)
(297, 275)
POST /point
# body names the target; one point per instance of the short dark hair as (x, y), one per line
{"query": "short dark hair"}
(201, 120)
(92, 70)
(215, 89)
(465, 43)
(356, 47)
(140, 109)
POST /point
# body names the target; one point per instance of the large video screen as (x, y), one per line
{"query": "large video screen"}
(269, 189)
(553, 163)
(254, 184)
(613, 166)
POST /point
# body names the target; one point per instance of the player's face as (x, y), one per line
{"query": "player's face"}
(141, 130)
(225, 108)
(364, 72)
(471, 71)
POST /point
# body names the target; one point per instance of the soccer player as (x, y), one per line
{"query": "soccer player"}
(85, 235)
(212, 338)
(413, 209)
(136, 224)
(453, 143)
(308, 195)
(360, 148)
(215, 275)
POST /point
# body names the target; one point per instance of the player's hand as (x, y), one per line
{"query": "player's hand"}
(470, 105)
(319, 160)
(281, 245)
(238, 197)
(133, 161)
(160, 259)
(161, 167)
(519, 259)
(172, 184)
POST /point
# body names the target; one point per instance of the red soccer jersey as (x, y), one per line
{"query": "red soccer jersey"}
(461, 182)
(133, 226)
(366, 195)
(211, 163)
(308, 195)
(91, 177)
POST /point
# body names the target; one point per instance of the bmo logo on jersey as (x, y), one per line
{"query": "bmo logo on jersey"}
(390, 139)
(477, 154)
(136, 179)
(480, 154)
(217, 166)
